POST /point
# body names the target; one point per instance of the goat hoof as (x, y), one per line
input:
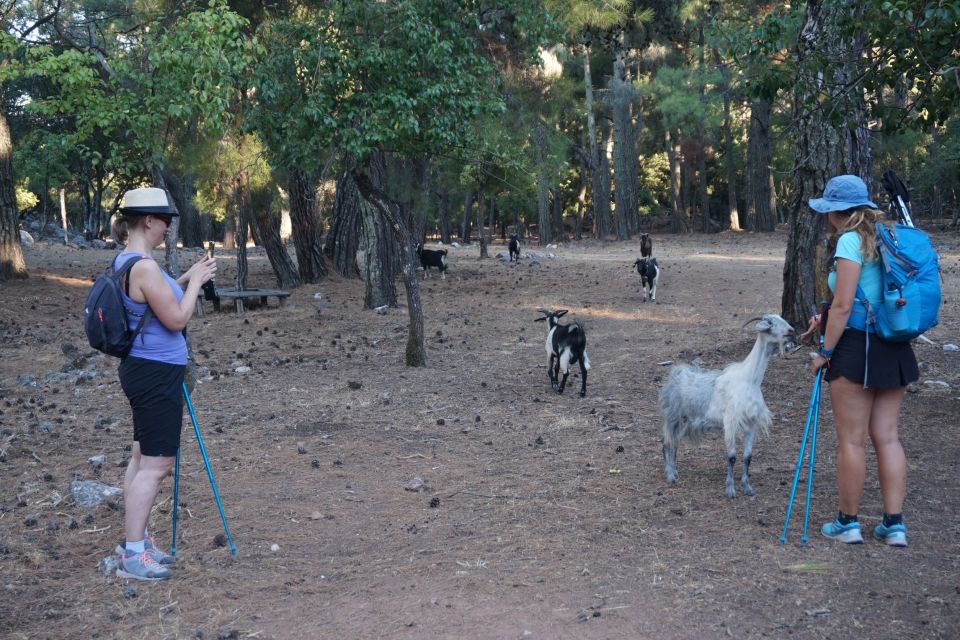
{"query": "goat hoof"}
(671, 479)
(748, 490)
(583, 394)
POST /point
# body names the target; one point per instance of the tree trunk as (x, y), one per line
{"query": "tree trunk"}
(267, 233)
(481, 234)
(443, 215)
(381, 257)
(346, 226)
(826, 145)
(581, 205)
(624, 184)
(182, 190)
(705, 221)
(12, 264)
(761, 197)
(306, 227)
(733, 212)
(679, 223)
(601, 186)
(543, 209)
(63, 216)
(230, 232)
(556, 222)
(416, 355)
(242, 204)
(601, 203)
(467, 215)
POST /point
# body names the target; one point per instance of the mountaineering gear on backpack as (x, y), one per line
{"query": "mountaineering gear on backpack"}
(105, 317)
(910, 279)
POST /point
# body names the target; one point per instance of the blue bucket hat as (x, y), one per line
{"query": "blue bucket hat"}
(841, 194)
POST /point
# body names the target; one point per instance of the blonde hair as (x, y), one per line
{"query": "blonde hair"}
(121, 225)
(863, 221)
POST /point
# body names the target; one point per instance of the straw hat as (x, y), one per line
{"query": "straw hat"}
(147, 201)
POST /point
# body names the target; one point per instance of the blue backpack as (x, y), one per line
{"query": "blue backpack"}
(910, 276)
(105, 317)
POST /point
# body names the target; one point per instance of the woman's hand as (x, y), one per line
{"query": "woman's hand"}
(202, 270)
(813, 326)
(817, 362)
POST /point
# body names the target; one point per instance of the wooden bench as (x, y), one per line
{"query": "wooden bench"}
(240, 296)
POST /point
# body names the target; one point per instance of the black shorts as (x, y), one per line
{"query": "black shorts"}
(891, 364)
(155, 392)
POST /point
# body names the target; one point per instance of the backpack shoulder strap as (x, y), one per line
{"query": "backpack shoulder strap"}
(120, 273)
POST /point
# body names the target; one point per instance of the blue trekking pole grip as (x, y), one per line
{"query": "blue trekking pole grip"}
(206, 463)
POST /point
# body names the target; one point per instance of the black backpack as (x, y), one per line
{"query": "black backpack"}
(105, 317)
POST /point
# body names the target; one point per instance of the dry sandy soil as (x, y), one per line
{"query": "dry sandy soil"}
(542, 515)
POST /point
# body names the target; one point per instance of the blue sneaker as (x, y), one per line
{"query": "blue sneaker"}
(848, 533)
(894, 535)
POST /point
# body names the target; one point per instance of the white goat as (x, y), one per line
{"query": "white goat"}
(696, 400)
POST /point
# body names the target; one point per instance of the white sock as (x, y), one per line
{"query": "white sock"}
(134, 548)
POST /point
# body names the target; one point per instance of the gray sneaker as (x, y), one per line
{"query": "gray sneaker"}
(142, 567)
(158, 554)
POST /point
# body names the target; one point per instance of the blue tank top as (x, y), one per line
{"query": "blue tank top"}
(155, 341)
(870, 283)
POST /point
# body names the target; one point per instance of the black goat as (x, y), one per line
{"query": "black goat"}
(646, 245)
(432, 258)
(514, 247)
(649, 275)
(568, 345)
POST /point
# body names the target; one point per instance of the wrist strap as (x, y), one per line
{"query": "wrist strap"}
(825, 353)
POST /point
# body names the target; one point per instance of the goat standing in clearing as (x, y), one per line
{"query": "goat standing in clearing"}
(696, 400)
(646, 245)
(568, 345)
(514, 247)
(649, 277)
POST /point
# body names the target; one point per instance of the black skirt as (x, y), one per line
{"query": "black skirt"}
(886, 365)
(155, 392)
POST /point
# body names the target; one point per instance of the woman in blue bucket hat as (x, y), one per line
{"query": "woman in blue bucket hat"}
(867, 377)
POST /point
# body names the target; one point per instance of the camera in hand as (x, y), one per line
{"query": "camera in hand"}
(210, 290)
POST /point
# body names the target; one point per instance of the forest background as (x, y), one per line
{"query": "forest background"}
(372, 126)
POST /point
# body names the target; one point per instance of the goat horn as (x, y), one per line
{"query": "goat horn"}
(751, 320)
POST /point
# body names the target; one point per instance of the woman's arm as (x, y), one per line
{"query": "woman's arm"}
(147, 280)
(848, 275)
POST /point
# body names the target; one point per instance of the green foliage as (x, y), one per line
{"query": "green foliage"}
(26, 199)
(676, 92)
(407, 77)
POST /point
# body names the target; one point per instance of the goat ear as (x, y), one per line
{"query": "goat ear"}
(764, 326)
(540, 319)
(560, 313)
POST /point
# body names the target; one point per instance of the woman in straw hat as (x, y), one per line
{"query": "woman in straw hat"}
(152, 374)
(867, 377)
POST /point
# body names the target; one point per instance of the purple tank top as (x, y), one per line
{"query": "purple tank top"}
(155, 341)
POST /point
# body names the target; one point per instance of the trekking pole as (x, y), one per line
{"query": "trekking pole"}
(176, 502)
(811, 412)
(813, 458)
(206, 463)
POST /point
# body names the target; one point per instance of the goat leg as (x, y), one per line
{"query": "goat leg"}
(553, 371)
(731, 460)
(747, 457)
(583, 385)
(563, 382)
(670, 462)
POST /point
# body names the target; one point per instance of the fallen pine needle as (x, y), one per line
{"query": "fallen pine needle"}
(95, 530)
(808, 567)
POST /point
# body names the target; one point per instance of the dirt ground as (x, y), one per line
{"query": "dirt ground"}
(541, 515)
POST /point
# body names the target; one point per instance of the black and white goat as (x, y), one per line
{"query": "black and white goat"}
(695, 400)
(432, 258)
(649, 276)
(646, 245)
(514, 247)
(566, 345)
